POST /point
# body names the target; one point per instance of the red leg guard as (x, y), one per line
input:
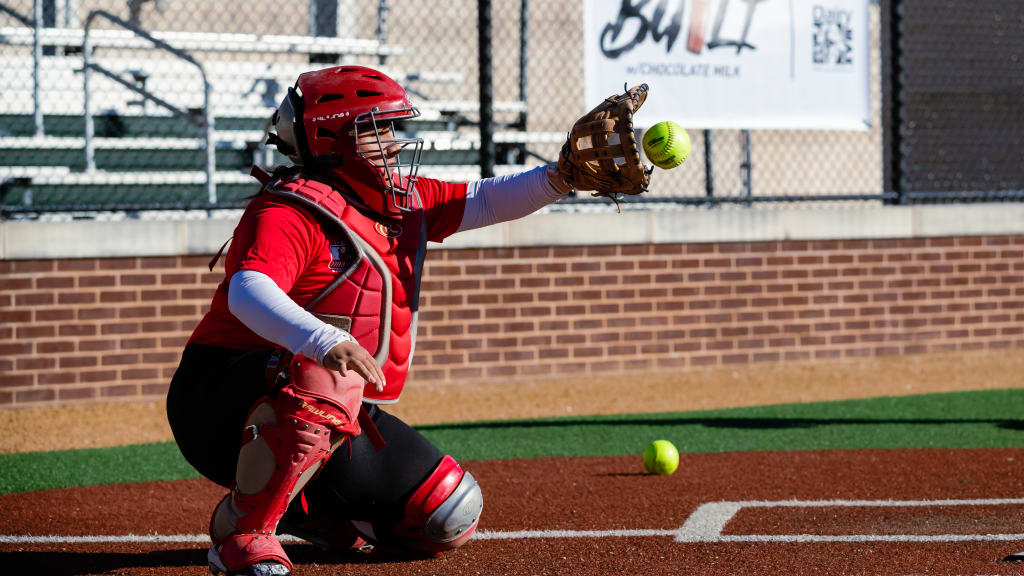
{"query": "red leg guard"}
(285, 443)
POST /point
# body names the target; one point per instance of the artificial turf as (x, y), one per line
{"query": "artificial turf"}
(976, 419)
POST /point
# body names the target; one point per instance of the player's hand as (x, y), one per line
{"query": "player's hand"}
(351, 356)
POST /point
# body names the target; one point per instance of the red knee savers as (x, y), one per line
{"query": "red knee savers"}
(434, 490)
(443, 512)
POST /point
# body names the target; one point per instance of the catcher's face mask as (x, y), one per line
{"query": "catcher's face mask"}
(343, 119)
(378, 143)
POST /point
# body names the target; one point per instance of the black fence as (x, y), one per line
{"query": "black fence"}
(953, 86)
(499, 84)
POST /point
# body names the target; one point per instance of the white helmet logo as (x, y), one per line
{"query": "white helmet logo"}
(330, 116)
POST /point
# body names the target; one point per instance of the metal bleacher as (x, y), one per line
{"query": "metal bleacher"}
(146, 156)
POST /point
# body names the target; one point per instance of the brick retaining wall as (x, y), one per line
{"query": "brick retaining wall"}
(96, 329)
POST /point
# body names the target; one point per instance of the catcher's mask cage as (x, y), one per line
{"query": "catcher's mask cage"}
(325, 122)
(399, 187)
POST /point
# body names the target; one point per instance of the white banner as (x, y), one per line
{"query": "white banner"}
(734, 64)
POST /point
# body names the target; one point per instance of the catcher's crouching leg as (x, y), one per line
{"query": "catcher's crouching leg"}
(285, 442)
(441, 514)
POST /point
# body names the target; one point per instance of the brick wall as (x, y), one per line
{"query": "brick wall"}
(97, 329)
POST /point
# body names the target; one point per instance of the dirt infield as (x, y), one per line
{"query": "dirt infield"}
(776, 524)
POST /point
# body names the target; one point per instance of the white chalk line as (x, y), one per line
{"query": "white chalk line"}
(709, 519)
(872, 503)
(121, 539)
(544, 535)
(204, 539)
(813, 538)
(704, 525)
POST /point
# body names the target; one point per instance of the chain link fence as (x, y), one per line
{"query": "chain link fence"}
(150, 65)
(170, 80)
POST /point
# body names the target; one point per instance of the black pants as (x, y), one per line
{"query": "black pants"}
(207, 404)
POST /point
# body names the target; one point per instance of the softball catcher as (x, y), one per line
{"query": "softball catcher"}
(280, 389)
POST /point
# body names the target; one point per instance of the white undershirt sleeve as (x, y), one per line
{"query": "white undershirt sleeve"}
(505, 198)
(256, 300)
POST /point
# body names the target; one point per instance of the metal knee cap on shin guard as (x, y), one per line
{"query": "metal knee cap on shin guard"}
(456, 518)
(443, 512)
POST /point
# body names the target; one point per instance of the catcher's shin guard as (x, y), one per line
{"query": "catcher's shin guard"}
(441, 514)
(285, 442)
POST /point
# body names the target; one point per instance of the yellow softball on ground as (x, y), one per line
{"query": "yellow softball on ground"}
(666, 144)
(661, 458)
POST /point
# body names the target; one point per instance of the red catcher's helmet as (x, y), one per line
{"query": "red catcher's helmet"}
(318, 123)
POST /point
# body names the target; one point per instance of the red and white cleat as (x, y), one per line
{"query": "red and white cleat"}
(267, 567)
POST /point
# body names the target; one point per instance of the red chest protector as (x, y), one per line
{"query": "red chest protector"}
(376, 294)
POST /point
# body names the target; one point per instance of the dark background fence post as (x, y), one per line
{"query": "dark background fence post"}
(524, 61)
(709, 172)
(748, 168)
(892, 99)
(382, 28)
(487, 149)
(524, 56)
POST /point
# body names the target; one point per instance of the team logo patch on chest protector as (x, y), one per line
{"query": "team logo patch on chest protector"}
(343, 256)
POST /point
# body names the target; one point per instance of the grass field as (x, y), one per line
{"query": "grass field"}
(976, 419)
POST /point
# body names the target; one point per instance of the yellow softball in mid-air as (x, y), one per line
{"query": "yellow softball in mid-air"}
(666, 144)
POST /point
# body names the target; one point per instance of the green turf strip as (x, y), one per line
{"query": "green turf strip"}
(983, 419)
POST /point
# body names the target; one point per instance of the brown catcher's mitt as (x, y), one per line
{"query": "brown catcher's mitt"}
(601, 152)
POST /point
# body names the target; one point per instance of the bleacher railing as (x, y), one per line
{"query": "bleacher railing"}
(207, 124)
